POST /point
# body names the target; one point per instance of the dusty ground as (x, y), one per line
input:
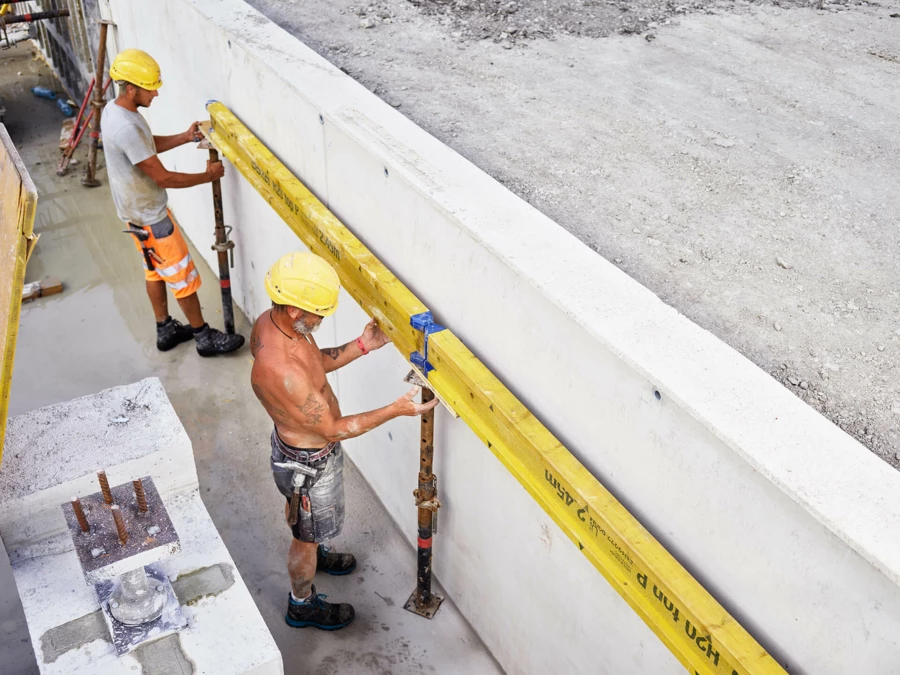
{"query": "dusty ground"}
(506, 21)
(738, 159)
(100, 333)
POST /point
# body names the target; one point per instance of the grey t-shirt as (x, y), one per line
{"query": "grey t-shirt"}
(127, 141)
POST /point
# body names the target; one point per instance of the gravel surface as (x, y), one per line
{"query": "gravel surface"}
(502, 20)
(738, 159)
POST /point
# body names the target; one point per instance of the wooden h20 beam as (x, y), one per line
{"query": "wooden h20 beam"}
(689, 621)
(18, 202)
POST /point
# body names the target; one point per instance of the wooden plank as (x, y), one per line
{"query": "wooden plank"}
(40, 289)
(18, 201)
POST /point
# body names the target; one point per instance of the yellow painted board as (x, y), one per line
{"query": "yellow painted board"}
(370, 283)
(688, 620)
(18, 200)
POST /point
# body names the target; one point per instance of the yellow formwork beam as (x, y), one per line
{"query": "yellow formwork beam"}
(689, 621)
(18, 201)
(370, 283)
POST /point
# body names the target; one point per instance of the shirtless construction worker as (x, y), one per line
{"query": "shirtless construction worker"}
(138, 181)
(288, 378)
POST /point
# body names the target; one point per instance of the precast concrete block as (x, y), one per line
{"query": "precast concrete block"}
(51, 456)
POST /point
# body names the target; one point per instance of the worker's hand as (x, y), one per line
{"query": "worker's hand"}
(193, 134)
(373, 337)
(406, 406)
(215, 170)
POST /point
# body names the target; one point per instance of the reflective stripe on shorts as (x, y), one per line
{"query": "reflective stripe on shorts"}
(177, 266)
(179, 285)
(173, 269)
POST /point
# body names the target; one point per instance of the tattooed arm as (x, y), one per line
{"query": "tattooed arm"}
(337, 357)
(314, 414)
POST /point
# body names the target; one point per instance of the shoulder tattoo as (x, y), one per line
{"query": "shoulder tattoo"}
(255, 344)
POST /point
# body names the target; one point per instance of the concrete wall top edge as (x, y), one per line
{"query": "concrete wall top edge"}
(844, 486)
(69, 432)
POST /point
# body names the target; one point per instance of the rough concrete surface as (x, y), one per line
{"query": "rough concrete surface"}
(73, 634)
(164, 657)
(738, 159)
(52, 454)
(202, 583)
(63, 431)
(189, 588)
(100, 333)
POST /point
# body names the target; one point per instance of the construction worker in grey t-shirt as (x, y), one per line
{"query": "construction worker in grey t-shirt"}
(138, 181)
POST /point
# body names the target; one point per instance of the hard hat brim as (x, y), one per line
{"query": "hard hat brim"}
(153, 87)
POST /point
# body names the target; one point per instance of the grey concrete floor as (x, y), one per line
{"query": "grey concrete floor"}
(99, 333)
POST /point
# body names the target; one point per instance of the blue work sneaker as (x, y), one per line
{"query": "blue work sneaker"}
(315, 612)
(337, 564)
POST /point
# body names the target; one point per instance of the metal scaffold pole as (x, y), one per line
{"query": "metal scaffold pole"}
(90, 176)
(223, 248)
(422, 601)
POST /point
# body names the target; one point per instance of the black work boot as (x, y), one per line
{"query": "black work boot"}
(171, 333)
(315, 612)
(212, 342)
(330, 562)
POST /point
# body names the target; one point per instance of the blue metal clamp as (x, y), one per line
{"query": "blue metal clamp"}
(424, 323)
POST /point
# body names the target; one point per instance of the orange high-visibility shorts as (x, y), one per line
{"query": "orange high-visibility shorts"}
(177, 268)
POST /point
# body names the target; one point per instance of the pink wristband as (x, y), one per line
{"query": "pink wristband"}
(362, 347)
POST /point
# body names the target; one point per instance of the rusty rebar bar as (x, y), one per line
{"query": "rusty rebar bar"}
(120, 524)
(104, 487)
(139, 494)
(79, 514)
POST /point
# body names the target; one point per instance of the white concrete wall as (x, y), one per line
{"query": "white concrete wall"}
(788, 521)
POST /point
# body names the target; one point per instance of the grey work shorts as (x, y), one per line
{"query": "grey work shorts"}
(326, 492)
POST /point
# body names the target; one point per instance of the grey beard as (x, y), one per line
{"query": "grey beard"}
(302, 328)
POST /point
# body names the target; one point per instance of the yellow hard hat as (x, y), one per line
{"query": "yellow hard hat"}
(306, 281)
(138, 68)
